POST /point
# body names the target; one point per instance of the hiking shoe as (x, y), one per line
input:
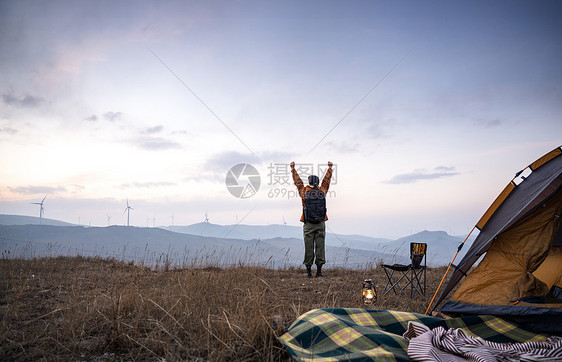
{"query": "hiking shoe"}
(309, 271)
(319, 271)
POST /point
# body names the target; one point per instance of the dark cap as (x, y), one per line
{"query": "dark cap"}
(313, 180)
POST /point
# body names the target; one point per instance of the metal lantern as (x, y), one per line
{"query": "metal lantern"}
(369, 292)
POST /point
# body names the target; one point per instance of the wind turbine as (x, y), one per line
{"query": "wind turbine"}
(206, 217)
(41, 209)
(127, 210)
(108, 220)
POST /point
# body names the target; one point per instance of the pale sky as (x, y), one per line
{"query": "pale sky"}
(427, 109)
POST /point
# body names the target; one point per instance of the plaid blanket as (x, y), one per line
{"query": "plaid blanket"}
(353, 334)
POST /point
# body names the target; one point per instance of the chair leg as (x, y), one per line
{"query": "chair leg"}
(385, 290)
(416, 282)
(411, 278)
(389, 281)
(394, 284)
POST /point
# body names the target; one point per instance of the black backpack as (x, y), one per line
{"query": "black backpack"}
(314, 206)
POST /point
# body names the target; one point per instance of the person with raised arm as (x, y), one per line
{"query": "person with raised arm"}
(313, 216)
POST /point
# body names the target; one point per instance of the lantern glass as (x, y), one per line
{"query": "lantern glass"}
(369, 292)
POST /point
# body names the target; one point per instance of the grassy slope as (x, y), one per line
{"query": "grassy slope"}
(93, 309)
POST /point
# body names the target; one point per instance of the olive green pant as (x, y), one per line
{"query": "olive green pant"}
(314, 244)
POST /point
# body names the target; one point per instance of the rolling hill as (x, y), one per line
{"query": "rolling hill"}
(260, 232)
(29, 220)
(209, 244)
(155, 246)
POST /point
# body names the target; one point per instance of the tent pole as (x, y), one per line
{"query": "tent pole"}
(447, 271)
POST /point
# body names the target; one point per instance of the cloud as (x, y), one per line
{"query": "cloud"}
(206, 177)
(225, 160)
(416, 175)
(276, 157)
(27, 101)
(153, 130)
(8, 130)
(77, 189)
(222, 162)
(381, 129)
(112, 116)
(92, 118)
(32, 190)
(181, 133)
(378, 131)
(444, 169)
(155, 143)
(147, 141)
(217, 166)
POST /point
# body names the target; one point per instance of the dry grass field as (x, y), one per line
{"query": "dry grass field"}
(91, 309)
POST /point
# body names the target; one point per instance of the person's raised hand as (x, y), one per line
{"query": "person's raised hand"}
(330, 164)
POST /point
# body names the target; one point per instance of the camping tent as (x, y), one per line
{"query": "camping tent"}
(511, 296)
(520, 276)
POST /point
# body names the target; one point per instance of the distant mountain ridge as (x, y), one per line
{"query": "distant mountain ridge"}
(258, 232)
(276, 244)
(155, 246)
(29, 220)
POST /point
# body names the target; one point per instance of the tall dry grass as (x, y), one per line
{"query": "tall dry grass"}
(75, 308)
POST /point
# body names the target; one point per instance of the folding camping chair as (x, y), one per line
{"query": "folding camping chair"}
(408, 275)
